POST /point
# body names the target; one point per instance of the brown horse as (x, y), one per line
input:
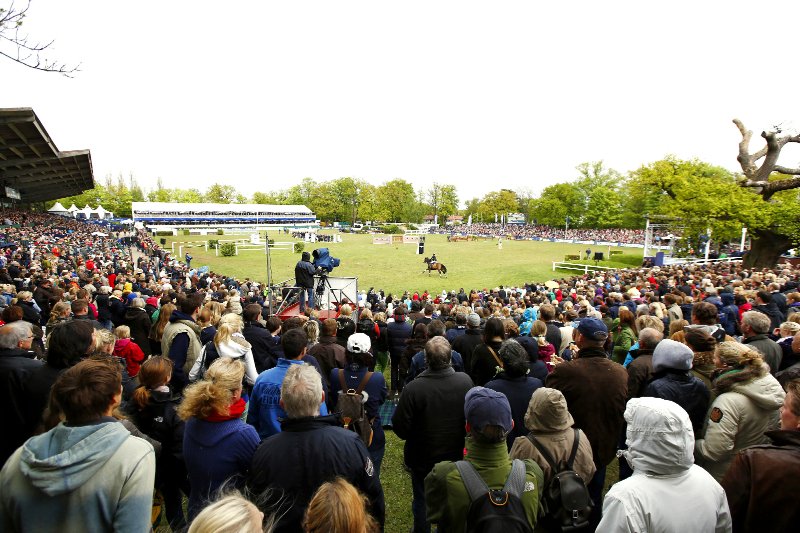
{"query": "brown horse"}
(434, 266)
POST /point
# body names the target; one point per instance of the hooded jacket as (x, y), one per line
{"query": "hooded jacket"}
(667, 491)
(86, 478)
(235, 348)
(738, 419)
(549, 420)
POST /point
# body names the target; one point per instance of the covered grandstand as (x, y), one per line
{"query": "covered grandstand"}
(201, 218)
(32, 168)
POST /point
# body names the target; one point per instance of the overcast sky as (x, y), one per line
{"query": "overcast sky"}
(481, 95)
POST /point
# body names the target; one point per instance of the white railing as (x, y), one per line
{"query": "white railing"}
(563, 265)
(682, 261)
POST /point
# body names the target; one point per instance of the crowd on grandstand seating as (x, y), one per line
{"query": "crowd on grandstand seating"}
(533, 231)
(131, 381)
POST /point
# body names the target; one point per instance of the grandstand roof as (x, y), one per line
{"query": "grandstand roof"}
(231, 208)
(31, 163)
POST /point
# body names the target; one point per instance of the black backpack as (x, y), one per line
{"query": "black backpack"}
(350, 406)
(566, 501)
(498, 511)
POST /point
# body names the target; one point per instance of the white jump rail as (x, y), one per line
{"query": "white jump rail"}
(563, 265)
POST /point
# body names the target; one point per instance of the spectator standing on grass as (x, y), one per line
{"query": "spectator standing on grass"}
(398, 332)
(181, 338)
(310, 450)
(596, 390)
(488, 422)
(430, 418)
(515, 383)
(358, 358)
(667, 491)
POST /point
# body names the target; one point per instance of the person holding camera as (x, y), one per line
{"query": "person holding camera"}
(304, 279)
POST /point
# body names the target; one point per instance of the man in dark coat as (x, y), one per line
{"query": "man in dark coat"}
(755, 330)
(259, 337)
(328, 353)
(304, 279)
(310, 450)
(397, 333)
(16, 364)
(764, 304)
(137, 319)
(640, 370)
(763, 481)
(596, 390)
(430, 418)
(465, 344)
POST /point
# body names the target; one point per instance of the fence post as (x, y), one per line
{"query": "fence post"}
(554, 266)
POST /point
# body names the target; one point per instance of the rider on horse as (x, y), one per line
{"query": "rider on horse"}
(434, 260)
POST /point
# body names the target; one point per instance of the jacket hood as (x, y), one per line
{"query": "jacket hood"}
(660, 438)
(65, 458)
(177, 315)
(235, 348)
(715, 331)
(547, 411)
(766, 391)
(727, 298)
(131, 312)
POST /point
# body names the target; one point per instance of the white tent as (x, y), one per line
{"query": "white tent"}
(102, 214)
(72, 209)
(58, 209)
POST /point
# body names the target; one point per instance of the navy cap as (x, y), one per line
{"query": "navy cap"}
(486, 407)
(593, 328)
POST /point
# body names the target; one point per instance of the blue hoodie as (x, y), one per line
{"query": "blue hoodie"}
(86, 478)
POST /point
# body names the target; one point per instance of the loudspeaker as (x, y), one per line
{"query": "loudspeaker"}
(598, 256)
(163, 241)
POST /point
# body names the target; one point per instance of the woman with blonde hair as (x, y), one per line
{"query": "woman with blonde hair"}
(208, 319)
(228, 342)
(217, 444)
(60, 312)
(311, 327)
(30, 311)
(346, 325)
(338, 507)
(625, 335)
(232, 513)
(747, 403)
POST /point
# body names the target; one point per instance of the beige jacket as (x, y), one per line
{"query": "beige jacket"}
(549, 420)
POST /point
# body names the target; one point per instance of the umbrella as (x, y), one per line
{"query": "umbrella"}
(100, 234)
(551, 284)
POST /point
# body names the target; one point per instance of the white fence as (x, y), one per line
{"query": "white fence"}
(563, 265)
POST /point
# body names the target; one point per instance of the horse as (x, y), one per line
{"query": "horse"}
(435, 266)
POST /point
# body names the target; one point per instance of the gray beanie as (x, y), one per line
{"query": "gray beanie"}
(672, 354)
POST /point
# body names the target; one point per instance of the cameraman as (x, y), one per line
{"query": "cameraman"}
(304, 279)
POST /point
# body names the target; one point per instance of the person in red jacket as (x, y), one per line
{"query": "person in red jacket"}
(126, 349)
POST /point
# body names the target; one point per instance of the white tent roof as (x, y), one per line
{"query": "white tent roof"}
(57, 208)
(72, 208)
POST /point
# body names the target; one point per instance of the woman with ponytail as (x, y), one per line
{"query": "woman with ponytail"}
(747, 404)
(154, 410)
(217, 444)
(228, 342)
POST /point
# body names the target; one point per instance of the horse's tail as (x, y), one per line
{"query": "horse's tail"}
(444, 269)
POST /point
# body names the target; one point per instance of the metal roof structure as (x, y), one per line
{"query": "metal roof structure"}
(31, 163)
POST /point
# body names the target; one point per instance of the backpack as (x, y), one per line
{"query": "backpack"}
(350, 406)
(566, 501)
(498, 511)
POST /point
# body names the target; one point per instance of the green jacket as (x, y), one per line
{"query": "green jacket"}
(446, 496)
(623, 341)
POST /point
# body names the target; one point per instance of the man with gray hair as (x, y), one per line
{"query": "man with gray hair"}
(310, 450)
(755, 327)
(640, 369)
(16, 362)
(430, 418)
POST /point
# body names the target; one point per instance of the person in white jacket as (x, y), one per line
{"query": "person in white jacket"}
(229, 342)
(746, 406)
(667, 491)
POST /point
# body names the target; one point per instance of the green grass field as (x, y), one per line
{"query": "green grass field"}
(397, 267)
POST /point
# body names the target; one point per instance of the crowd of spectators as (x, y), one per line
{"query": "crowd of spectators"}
(538, 231)
(124, 371)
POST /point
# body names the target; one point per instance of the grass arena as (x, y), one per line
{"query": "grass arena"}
(397, 267)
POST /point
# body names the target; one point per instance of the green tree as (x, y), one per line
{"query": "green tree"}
(556, 203)
(442, 199)
(221, 194)
(498, 203)
(395, 201)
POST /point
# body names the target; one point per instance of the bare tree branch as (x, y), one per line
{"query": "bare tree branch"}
(757, 177)
(18, 47)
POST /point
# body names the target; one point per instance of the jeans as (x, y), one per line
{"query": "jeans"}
(377, 459)
(595, 488)
(309, 292)
(421, 524)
